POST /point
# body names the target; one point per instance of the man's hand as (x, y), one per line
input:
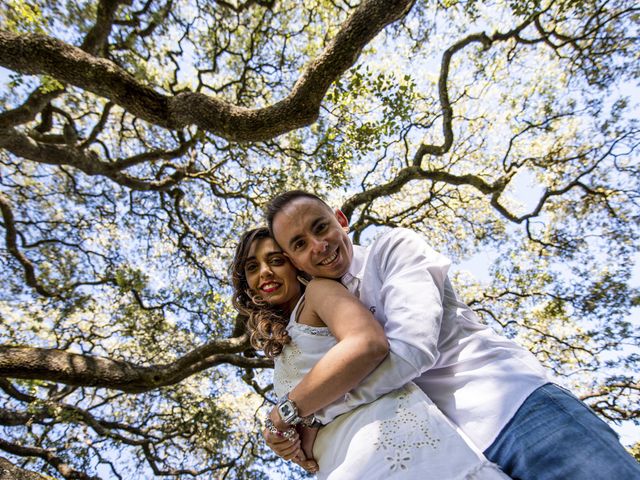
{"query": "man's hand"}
(309, 465)
(308, 439)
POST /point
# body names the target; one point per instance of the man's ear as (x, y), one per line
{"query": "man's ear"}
(342, 220)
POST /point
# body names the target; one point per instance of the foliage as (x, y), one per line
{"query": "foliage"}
(137, 139)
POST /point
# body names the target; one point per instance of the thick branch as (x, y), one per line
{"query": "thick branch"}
(8, 471)
(96, 39)
(38, 54)
(93, 43)
(26, 112)
(87, 370)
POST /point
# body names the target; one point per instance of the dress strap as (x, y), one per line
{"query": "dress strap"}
(295, 314)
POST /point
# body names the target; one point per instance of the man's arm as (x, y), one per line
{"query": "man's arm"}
(412, 277)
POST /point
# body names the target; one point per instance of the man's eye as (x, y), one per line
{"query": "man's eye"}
(320, 227)
(277, 261)
(298, 245)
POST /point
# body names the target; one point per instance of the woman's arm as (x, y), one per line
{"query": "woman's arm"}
(361, 347)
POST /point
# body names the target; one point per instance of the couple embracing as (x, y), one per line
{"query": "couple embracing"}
(382, 372)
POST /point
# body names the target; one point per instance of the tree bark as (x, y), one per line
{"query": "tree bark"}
(94, 371)
(8, 471)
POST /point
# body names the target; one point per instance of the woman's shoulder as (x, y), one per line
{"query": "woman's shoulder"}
(322, 285)
(316, 294)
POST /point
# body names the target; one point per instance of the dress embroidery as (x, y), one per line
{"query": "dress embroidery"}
(403, 434)
(287, 372)
(321, 331)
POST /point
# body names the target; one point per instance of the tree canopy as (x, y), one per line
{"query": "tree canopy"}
(139, 138)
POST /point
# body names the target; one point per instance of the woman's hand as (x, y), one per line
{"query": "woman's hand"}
(284, 447)
(291, 448)
(281, 446)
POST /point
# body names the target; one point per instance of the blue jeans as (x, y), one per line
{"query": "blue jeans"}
(554, 436)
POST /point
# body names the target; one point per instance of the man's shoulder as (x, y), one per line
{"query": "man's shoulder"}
(396, 236)
(399, 243)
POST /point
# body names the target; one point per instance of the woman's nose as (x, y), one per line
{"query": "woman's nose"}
(265, 271)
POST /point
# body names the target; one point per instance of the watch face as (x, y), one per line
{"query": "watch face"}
(288, 411)
(285, 410)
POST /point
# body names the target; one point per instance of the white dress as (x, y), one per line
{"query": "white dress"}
(402, 435)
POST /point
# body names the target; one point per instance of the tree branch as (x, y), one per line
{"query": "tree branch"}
(407, 174)
(48, 456)
(8, 471)
(88, 161)
(26, 112)
(39, 54)
(89, 370)
(11, 242)
(96, 39)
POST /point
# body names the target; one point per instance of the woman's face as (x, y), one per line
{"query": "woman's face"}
(270, 274)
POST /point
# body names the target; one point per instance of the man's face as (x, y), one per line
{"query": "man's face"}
(314, 237)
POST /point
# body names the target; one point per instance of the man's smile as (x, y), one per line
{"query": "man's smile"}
(329, 259)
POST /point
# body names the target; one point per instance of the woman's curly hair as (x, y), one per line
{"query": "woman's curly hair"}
(267, 324)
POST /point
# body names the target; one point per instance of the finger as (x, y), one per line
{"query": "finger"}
(273, 439)
(278, 437)
(309, 465)
(286, 447)
(291, 451)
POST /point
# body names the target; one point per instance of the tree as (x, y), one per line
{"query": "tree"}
(137, 139)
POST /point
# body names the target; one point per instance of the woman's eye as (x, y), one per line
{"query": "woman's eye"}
(250, 267)
(277, 261)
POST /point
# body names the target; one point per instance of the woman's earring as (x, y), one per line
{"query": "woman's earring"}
(304, 281)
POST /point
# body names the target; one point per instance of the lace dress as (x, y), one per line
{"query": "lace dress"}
(402, 435)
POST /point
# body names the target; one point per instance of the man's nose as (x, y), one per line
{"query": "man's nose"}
(319, 245)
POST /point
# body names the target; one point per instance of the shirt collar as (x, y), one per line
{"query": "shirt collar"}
(356, 268)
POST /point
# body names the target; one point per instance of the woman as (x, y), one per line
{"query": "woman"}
(324, 343)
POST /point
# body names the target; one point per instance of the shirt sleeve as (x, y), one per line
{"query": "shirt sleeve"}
(412, 276)
(390, 375)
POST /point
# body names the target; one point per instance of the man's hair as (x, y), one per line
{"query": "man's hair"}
(277, 204)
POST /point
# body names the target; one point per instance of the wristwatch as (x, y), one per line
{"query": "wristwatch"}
(288, 411)
(289, 414)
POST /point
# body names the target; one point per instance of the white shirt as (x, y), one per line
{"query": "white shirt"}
(476, 377)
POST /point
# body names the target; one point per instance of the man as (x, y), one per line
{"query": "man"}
(493, 389)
